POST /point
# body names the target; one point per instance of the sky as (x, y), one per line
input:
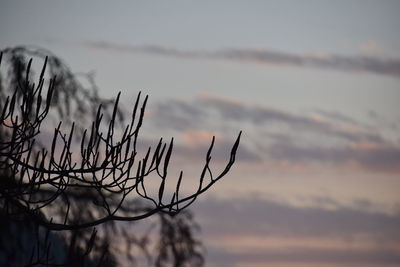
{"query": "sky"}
(313, 85)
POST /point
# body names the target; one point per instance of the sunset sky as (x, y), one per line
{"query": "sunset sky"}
(313, 85)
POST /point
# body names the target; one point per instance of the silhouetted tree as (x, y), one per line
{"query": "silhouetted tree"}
(87, 173)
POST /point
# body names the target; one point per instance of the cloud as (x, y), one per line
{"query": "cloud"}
(358, 144)
(183, 115)
(370, 47)
(256, 230)
(369, 64)
(298, 257)
(335, 115)
(197, 138)
(177, 114)
(385, 158)
(262, 116)
(257, 216)
(275, 135)
(189, 151)
(196, 152)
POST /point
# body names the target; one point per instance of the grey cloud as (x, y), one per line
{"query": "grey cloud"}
(238, 112)
(188, 114)
(220, 153)
(264, 115)
(147, 49)
(267, 218)
(336, 116)
(260, 217)
(178, 115)
(302, 138)
(335, 62)
(294, 256)
(381, 158)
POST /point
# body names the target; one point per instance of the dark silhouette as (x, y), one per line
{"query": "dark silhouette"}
(87, 173)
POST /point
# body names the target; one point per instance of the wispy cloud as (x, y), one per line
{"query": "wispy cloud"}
(191, 151)
(269, 217)
(262, 116)
(275, 135)
(305, 257)
(332, 137)
(271, 231)
(368, 156)
(371, 47)
(371, 64)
